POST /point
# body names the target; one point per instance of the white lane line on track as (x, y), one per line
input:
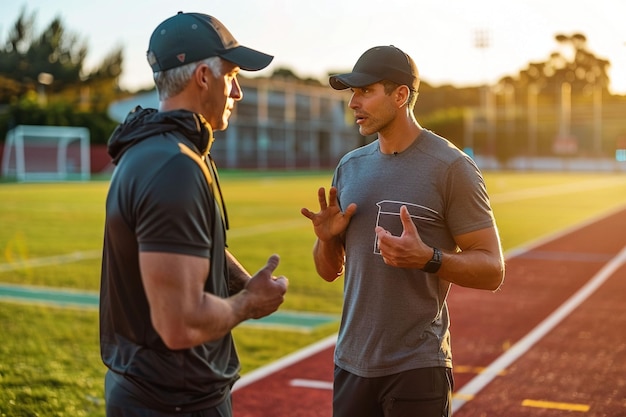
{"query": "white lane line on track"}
(311, 383)
(470, 389)
(288, 360)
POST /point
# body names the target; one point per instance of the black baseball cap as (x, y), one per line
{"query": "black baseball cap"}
(192, 37)
(377, 64)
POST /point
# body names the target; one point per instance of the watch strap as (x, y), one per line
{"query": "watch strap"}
(434, 264)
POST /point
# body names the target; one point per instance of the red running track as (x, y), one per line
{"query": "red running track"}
(514, 354)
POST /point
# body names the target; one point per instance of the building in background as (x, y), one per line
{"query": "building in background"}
(281, 123)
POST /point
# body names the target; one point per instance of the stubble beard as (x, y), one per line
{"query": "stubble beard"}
(372, 126)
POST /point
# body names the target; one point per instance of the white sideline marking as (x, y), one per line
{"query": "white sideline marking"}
(551, 190)
(288, 360)
(265, 228)
(523, 345)
(50, 260)
(93, 254)
(311, 383)
(542, 240)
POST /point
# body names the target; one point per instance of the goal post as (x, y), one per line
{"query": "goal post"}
(47, 153)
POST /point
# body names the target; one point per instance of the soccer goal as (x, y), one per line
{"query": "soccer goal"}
(46, 153)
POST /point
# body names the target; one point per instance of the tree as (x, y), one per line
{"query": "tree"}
(100, 87)
(53, 60)
(570, 86)
(26, 55)
(43, 80)
(573, 63)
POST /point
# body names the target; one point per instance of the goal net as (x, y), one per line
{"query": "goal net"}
(46, 153)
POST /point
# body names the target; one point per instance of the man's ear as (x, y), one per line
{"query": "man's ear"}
(203, 76)
(402, 95)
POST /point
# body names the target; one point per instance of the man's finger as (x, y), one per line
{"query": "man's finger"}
(307, 213)
(350, 210)
(283, 282)
(321, 196)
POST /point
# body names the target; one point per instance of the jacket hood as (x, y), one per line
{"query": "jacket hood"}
(141, 124)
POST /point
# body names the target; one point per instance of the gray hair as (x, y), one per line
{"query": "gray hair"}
(171, 82)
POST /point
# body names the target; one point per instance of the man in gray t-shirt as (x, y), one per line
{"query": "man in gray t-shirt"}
(406, 216)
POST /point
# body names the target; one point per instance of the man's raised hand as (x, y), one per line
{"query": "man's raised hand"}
(330, 221)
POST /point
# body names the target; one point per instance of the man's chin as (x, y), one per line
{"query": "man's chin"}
(364, 132)
(222, 126)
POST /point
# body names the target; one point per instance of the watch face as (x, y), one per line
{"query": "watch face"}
(435, 263)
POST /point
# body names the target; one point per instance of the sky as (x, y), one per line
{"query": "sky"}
(317, 37)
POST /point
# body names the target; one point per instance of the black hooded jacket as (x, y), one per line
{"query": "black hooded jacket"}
(160, 200)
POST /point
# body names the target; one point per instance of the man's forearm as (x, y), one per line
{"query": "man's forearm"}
(329, 258)
(237, 274)
(473, 269)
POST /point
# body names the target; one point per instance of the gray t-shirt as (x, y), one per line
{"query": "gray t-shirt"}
(396, 319)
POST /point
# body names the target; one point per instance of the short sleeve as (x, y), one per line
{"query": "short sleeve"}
(468, 208)
(173, 212)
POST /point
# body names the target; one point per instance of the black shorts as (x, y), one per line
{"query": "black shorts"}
(425, 392)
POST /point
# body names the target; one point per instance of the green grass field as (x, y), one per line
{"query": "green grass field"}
(49, 357)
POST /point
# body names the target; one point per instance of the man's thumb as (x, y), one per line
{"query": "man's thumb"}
(405, 218)
(272, 264)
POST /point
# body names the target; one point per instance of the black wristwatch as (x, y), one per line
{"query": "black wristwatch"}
(434, 264)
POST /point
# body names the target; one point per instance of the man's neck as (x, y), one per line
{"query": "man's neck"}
(398, 138)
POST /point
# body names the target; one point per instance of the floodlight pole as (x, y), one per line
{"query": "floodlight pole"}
(533, 91)
(566, 110)
(597, 114)
(482, 42)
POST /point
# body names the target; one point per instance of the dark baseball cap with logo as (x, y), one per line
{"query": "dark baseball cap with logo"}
(192, 37)
(377, 64)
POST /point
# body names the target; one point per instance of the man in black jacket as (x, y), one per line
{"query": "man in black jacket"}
(171, 293)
